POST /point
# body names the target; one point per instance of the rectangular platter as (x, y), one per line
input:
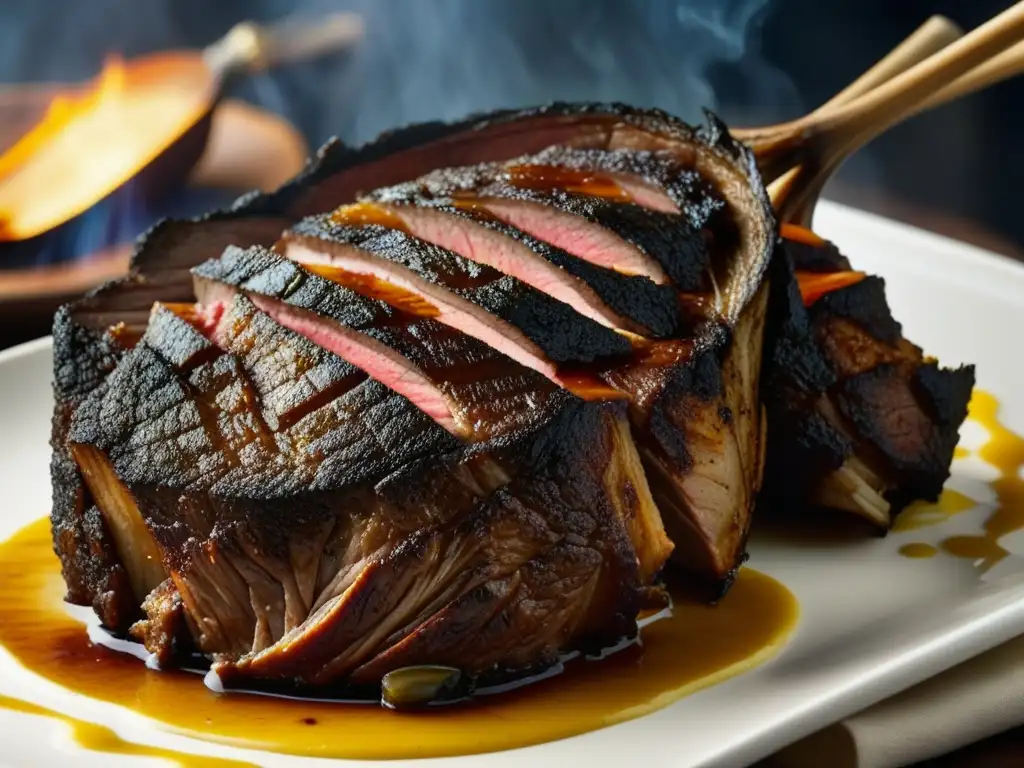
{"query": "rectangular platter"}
(872, 622)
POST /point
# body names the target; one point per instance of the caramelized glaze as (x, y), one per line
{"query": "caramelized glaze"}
(360, 214)
(375, 288)
(550, 178)
(1003, 450)
(695, 647)
(922, 514)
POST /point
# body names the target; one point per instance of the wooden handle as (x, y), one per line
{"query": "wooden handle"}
(796, 192)
(894, 100)
(1007, 64)
(253, 48)
(931, 37)
(818, 139)
(949, 74)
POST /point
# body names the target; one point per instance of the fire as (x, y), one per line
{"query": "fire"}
(93, 139)
(62, 111)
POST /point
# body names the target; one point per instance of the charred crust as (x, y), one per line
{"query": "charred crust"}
(262, 271)
(914, 432)
(815, 258)
(163, 632)
(693, 385)
(795, 364)
(945, 393)
(90, 566)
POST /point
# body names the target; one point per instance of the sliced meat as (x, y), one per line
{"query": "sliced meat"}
(488, 393)
(480, 237)
(174, 334)
(617, 235)
(627, 302)
(625, 177)
(393, 553)
(262, 530)
(536, 330)
(652, 180)
(696, 415)
(292, 375)
(495, 569)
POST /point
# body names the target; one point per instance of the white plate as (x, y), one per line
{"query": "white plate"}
(873, 623)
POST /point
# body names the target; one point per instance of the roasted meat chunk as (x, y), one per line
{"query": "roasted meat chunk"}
(859, 419)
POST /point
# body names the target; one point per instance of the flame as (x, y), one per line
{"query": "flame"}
(94, 138)
(63, 109)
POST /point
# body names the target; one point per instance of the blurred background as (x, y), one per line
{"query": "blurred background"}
(955, 170)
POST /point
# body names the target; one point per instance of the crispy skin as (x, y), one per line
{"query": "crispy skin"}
(849, 397)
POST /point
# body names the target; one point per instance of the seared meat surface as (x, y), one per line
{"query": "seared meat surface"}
(859, 419)
(456, 397)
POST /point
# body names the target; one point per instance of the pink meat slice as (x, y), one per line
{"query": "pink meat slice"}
(476, 242)
(583, 173)
(644, 194)
(377, 360)
(451, 309)
(574, 234)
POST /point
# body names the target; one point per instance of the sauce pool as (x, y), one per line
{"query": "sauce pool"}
(1003, 450)
(697, 646)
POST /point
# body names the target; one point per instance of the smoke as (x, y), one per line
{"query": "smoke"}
(441, 59)
(437, 59)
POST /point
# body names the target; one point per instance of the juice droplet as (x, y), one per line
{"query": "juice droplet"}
(918, 550)
(922, 514)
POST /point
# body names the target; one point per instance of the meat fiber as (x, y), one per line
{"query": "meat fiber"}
(405, 520)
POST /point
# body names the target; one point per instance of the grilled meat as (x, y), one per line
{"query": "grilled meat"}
(859, 419)
(458, 410)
